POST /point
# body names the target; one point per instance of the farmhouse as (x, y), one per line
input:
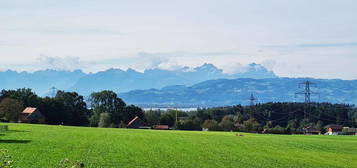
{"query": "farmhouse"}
(31, 115)
(311, 131)
(136, 122)
(333, 129)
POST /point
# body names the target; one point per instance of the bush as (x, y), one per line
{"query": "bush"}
(104, 120)
(189, 124)
(10, 109)
(251, 125)
(227, 125)
(277, 130)
(122, 124)
(5, 159)
(345, 131)
(66, 163)
(211, 125)
(4, 128)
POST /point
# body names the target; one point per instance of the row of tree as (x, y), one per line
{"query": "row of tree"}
(271, 117)
(106, 109)
(69, 108)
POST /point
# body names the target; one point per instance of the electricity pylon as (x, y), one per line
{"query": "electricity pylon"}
(307, 92)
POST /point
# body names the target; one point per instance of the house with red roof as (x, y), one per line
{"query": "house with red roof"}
(161, 127)
(136, 122)
(31, 115)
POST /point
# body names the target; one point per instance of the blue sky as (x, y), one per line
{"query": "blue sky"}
(294, 38)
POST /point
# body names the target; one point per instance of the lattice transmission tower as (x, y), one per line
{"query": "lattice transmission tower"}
(307, 92)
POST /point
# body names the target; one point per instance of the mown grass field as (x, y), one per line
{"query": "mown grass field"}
(42, 146)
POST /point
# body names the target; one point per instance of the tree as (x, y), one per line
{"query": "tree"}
(153, 117)
(122, 124)
(131, 111)
(211, 125)
(167, 119)
(252, 125)
(75, 106)
(277, 130)
(227, 125)
(104, 120)
(192, 123)
(107, 102)
(24, 95)
(54, 111)
(10, 109)
(291, 127)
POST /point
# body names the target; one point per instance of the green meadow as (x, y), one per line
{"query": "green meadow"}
(42, 146)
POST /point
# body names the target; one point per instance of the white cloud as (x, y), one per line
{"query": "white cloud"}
(59, 63)
(269, 64)
(282, 35)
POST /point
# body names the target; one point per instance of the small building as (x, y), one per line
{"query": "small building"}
(311, 131)
(136, 122)
(333, 129)
(31, 115)
(161, 127)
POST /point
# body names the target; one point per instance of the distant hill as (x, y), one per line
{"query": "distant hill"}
(224, 92)
(39, 81)
(121, 81)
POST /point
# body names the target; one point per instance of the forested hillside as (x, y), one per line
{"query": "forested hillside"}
(226, 92)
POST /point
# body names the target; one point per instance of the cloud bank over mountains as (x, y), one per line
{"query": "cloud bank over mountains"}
(142, 62)
(293, 38)
(120, 80)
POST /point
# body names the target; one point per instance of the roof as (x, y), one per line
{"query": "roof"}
(334, 126)
(311, 129)
(29, 110)
(161, 127)
(133, 120)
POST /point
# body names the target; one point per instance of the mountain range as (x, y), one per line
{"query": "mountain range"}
(202, 86)
(121, 80)
(225, 92)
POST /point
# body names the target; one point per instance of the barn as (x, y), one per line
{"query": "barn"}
(31, 115)
(333, 129)
(136, 122)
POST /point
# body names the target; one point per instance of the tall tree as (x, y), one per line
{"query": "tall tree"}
(107, 102)
(24, 95)
(75, 106)
(10, 109)
(153, 117)
(131, 111)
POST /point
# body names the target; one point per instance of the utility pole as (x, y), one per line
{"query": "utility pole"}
(53, 91)
(307, 92)
(176, 116)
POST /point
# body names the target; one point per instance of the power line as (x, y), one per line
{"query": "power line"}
(307, 92)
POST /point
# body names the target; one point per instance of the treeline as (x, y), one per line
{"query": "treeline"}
(278, 118)
(282, 118)
(69, 108)
(106, 109)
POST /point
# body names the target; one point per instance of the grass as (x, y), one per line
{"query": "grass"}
(45, 146)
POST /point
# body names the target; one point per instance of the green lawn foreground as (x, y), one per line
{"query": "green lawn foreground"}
(42, 146)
